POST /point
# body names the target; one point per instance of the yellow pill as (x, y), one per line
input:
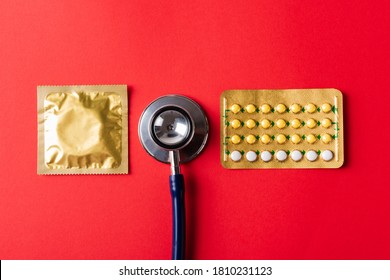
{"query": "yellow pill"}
(280, 123)
(295, 138)
(235, 108)
(235, 139)
(235, 123)
(250, 108)
(295, 108)
(265, 108)
(326, 138)
(281, 138)
(326, 107)
(310, 108)
(295, 123)
(250, 139)
(326, 123)
(265, 139)
(250, 123)
(281, 108)
(311, 138)
(311, 123)
(265, 123)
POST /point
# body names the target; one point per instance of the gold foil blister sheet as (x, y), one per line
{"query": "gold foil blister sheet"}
(82, 129)
(328, 140)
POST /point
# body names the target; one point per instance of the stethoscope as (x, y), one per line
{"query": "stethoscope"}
(173, 129)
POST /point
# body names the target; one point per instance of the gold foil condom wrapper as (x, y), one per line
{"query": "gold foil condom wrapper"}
(82, 129)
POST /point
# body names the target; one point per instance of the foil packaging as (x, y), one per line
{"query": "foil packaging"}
(291, 128)
(82, 129)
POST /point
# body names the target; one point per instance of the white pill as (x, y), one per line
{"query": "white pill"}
(311, 155)
(266, 156)
(327, 155)
(235, 156)
(281, 155)
(251, 156)
(296, 155)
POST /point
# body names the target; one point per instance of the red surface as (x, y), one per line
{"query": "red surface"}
(197, 48)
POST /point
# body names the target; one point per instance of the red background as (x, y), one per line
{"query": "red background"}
(199, 49)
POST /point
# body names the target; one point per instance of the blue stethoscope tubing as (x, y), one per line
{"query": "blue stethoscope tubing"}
(176, 183)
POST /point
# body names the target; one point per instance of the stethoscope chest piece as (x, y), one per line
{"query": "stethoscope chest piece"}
(173, 122)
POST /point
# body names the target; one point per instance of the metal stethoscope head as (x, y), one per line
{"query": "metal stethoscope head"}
(174, 129)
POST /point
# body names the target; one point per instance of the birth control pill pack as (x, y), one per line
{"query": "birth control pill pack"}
(293, 128)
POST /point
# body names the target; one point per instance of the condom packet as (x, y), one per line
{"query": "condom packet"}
(292, 128)
(82, 129)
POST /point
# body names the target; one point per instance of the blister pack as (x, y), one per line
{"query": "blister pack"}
(294, 128)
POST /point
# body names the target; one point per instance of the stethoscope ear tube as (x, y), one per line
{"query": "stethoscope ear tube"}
(176, 183)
